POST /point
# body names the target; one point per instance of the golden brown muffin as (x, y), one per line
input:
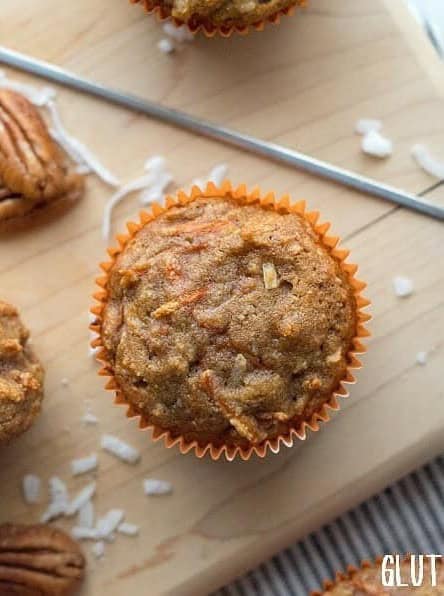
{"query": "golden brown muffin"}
(368, 582)
(21, 376)
(221, 13)
(34, 176)
(227, 323)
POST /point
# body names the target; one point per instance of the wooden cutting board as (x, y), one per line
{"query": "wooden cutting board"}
(303, 84)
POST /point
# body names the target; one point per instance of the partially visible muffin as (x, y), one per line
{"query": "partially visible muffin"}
(368, 582)
(21, 376)
(228, 323)
(221, 13)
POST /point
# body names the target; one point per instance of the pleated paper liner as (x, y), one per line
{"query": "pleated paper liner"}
(243, 196)
(375, 565)
(162, 13)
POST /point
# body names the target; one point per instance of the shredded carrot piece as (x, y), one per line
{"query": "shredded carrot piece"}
(193, 296)
(193, 227)
(168, 308)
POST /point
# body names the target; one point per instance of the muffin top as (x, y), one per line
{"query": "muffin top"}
(227, 323)
(367, 582)
(21, 376)
(226, 12)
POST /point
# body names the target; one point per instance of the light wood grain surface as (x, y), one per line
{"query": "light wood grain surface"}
(304, 85)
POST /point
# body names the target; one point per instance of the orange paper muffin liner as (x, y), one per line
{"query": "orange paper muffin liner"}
(351, 571)
(243, 196)
(210, 29)
(342, 576)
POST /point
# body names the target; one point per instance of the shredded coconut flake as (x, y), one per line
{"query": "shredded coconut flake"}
(180, 34)
(367, 125)
(90, 418)
(31, 488)
(80, 533)
(59, 500)
(39, 96)
(107, 525)
(78, 152)
(57, 488)
(421, 358)
(376, 145)
(154, 487)
(166, 46)
(85, 518)
(98, 549)
(53, 511)
(128, 529)
(153, 184)
(217, 175)
(157, 191)
(335, 357)
(403, 286)
(92, 351)
(120, 449)
(84, 465)
(270, 276)
(81, 498)
(427, 161)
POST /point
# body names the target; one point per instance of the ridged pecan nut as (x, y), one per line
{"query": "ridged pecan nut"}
(39, 561)
(31, 164)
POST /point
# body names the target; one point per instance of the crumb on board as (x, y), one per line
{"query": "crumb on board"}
(85, 518)
(421, 358)
(31, 488)
(90, 418)
(81, 498)
(180, 34)
(120, 449)
(216, 175)
(427, 161)
(376, 145)
(366, 125)
(98, 549)
(166, 46)
(403, 286)
(84, 464)
(128, 529)
(59, 500)
(155, 487)
(82, 533)
(108, 524)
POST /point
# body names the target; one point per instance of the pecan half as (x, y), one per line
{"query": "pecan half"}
(39, 561)
(33, 169)
(31, 163)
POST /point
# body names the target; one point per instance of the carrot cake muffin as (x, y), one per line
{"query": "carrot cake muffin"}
(21, 376)
(227, 323)
(221, 13)
(34, 176)
(368, 582)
